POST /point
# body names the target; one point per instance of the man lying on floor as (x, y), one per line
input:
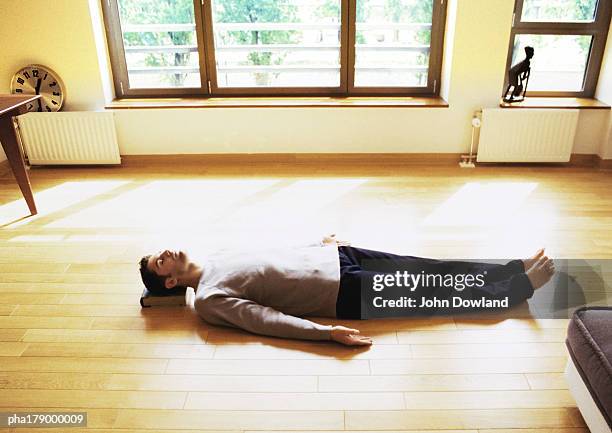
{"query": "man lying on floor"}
(270, 291)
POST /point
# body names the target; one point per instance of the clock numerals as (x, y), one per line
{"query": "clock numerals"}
(35, 79)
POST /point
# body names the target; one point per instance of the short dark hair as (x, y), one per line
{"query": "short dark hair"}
(156, 284)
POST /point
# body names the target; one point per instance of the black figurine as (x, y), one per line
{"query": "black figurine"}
(518, 78)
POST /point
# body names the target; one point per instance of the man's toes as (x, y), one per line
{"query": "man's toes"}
(545, 260)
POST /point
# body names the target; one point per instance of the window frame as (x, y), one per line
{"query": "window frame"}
(208, 70)
(118, 61)
(274, 91)
(436, 48)
(598, 29)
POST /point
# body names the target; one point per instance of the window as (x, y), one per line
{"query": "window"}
(395, 45)
(257, 46)
(568, 37)
(275, 47)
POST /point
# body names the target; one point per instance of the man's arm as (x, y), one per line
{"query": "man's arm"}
(250, 316)
(259, 319)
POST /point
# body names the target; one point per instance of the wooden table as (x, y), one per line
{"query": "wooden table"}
(14, 105)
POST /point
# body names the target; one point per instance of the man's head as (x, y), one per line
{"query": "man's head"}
(166, 270)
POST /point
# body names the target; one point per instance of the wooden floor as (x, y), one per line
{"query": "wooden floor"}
(74, 337)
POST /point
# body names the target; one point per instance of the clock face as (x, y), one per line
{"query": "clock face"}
(39, 80)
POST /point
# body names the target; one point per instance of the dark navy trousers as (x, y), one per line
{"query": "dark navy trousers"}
(501, 281)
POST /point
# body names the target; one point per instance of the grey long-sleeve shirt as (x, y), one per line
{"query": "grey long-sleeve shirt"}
(264, 291)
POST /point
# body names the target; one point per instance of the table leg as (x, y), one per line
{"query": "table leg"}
(15, 158)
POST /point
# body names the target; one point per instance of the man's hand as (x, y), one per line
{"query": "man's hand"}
(331, 240)
(349, 337)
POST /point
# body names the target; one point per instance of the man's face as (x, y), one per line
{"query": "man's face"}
(169, 263)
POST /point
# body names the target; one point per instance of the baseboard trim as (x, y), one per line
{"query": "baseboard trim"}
(368, 159)
(584, 160)
(363, 159)
(604, 164)
(374, 159)
(590, 160)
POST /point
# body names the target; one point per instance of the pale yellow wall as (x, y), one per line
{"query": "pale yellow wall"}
(604, 92)
(62, 36)
(476, 79)
(57, 34)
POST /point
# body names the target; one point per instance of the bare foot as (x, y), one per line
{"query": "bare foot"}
(541, 272)
(528, 263)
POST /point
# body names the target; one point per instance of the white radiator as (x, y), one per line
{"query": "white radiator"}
(526, 135)
(69, 138)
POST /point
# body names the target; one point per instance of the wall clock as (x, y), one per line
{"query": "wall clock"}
(39, 80)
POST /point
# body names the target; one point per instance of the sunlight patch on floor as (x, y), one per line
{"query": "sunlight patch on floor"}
(54, 199)
(299, 203)
(73, 238)
(165, 204)
(483, 204)
(176, 205)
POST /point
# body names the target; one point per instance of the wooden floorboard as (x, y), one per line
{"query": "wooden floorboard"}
(74, 337)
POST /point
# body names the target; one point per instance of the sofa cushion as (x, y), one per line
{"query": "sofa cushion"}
(589, 340)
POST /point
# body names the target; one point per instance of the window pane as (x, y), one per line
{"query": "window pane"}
(559, 62)
(559, 10)
(160, 43)
(392, 42)
(277, 43)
